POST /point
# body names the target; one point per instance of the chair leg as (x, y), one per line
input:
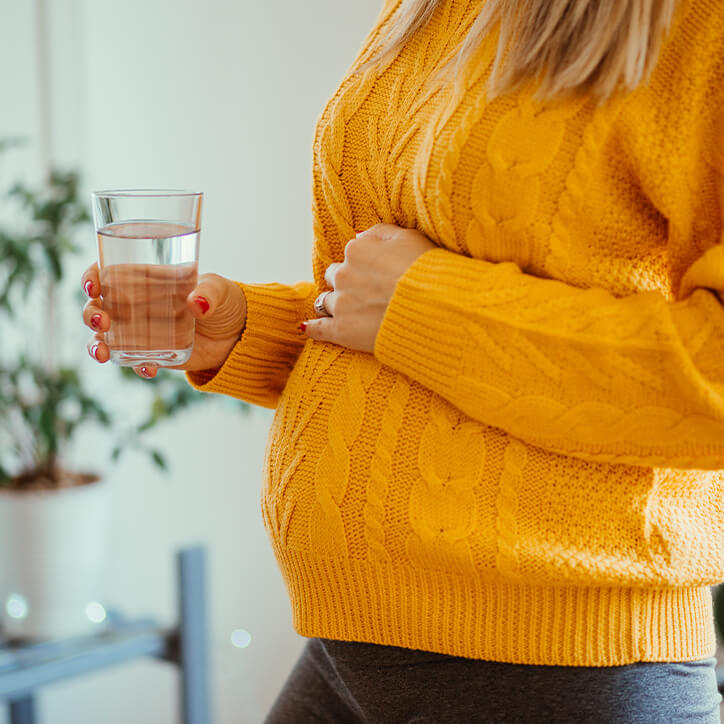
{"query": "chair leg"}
(194, 653)
(22, 711)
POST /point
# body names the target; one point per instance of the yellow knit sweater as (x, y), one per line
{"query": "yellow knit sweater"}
(526, 468)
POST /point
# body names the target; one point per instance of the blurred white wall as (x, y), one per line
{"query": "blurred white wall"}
(220, 96)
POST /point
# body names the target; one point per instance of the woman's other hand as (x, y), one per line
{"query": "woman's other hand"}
(217, 304)
(364, 284)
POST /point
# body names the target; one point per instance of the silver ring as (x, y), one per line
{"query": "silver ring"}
(319, 307)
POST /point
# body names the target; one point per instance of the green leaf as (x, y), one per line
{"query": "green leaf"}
(158, 407)
(54, 262)
(11, 142)
(146, 425)
(159, 459)
(128, 373)
(46, 426)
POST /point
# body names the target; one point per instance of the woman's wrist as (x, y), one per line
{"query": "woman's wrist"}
(244, 309)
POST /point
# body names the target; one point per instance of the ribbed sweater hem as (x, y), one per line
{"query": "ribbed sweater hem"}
(521, 623)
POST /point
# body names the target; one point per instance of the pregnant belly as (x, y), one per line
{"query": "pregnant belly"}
(362, 460)
(365, 463)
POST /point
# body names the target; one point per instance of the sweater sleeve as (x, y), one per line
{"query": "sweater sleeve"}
(636, 380)
(258, 366)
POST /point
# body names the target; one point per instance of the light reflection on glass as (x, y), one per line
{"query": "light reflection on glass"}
(95, 612)
(240, 638)
(16, 606)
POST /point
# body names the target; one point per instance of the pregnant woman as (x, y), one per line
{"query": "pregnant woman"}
(492, 481)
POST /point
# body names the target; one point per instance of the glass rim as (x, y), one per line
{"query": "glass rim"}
(144, 193)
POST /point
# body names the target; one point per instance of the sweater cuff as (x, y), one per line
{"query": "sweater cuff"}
(421, 335)
(259, 364)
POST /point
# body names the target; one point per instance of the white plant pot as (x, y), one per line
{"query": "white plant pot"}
(53, 552)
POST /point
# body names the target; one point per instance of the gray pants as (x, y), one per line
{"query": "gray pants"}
(340, 682)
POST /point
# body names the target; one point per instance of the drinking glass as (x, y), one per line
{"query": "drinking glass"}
(148, 252)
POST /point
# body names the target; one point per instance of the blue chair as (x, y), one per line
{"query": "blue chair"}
(24, 668)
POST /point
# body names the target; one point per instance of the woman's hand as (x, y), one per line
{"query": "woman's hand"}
(217, 304)
(364, 284)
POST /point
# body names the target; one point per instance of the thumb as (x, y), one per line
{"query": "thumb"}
(218, 305)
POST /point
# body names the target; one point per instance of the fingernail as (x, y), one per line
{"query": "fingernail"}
(96, 321)
(94, 351)
(144, 371)
(88, 287)
(303, 326)
(203, 304)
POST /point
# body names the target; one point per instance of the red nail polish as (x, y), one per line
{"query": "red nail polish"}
(94, 351)
(95, 321)
(88, 287)
(145, 372)
(303, 326)
(203, 304)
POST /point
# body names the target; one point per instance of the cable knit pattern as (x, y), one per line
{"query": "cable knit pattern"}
(381, 470)
(442, 503)
(332, 471)
(515, 459)
(529, 467)
(281, 463)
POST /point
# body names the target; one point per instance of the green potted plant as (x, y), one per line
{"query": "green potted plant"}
(53, 519)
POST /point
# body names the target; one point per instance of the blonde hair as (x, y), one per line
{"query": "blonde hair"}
(566, 45)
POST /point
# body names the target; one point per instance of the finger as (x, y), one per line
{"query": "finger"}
(218, 305)
(127, 287)
(319, 329)
(330, 301)
(382, 231)
(95, 318)
(122, 309)
(205, 299)
(330, 273)
(91, 282)
(98, 349)
(148, 372)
